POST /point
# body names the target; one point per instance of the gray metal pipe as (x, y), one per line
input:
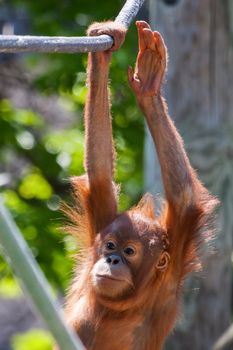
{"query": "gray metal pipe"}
(18, 43)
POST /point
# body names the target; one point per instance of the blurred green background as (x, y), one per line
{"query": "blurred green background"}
(45, 156)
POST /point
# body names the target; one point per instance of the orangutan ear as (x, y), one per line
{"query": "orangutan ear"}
(163, 261)
(146, 206)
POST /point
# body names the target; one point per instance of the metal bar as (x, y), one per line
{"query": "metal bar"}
(129, 11)
(225, 341)
(18, 43)
(34, 282)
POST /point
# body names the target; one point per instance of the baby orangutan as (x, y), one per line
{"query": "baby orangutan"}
(127, 287)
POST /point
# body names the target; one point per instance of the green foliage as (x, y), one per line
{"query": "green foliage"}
(34, 340)
(34, 185)
(33, 188)
(9, 288)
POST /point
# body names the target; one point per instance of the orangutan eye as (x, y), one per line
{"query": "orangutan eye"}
(110, 245)
(129, 251)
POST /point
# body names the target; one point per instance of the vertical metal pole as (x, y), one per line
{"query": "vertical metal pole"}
(34, 282)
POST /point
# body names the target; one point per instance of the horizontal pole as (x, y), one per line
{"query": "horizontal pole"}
(27, 270)
(49, 44)
(53, 44)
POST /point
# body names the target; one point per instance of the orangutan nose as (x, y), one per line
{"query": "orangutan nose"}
(113, 259)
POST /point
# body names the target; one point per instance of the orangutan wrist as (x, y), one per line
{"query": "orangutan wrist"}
(102, 58)
(151, 105)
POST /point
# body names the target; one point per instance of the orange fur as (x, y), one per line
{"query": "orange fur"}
(169, 246)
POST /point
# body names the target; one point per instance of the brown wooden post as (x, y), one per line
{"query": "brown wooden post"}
(199, 91)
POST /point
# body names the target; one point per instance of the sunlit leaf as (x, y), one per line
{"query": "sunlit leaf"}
(35, 339)
(35, 186)
(9, 288)
(13, 202)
